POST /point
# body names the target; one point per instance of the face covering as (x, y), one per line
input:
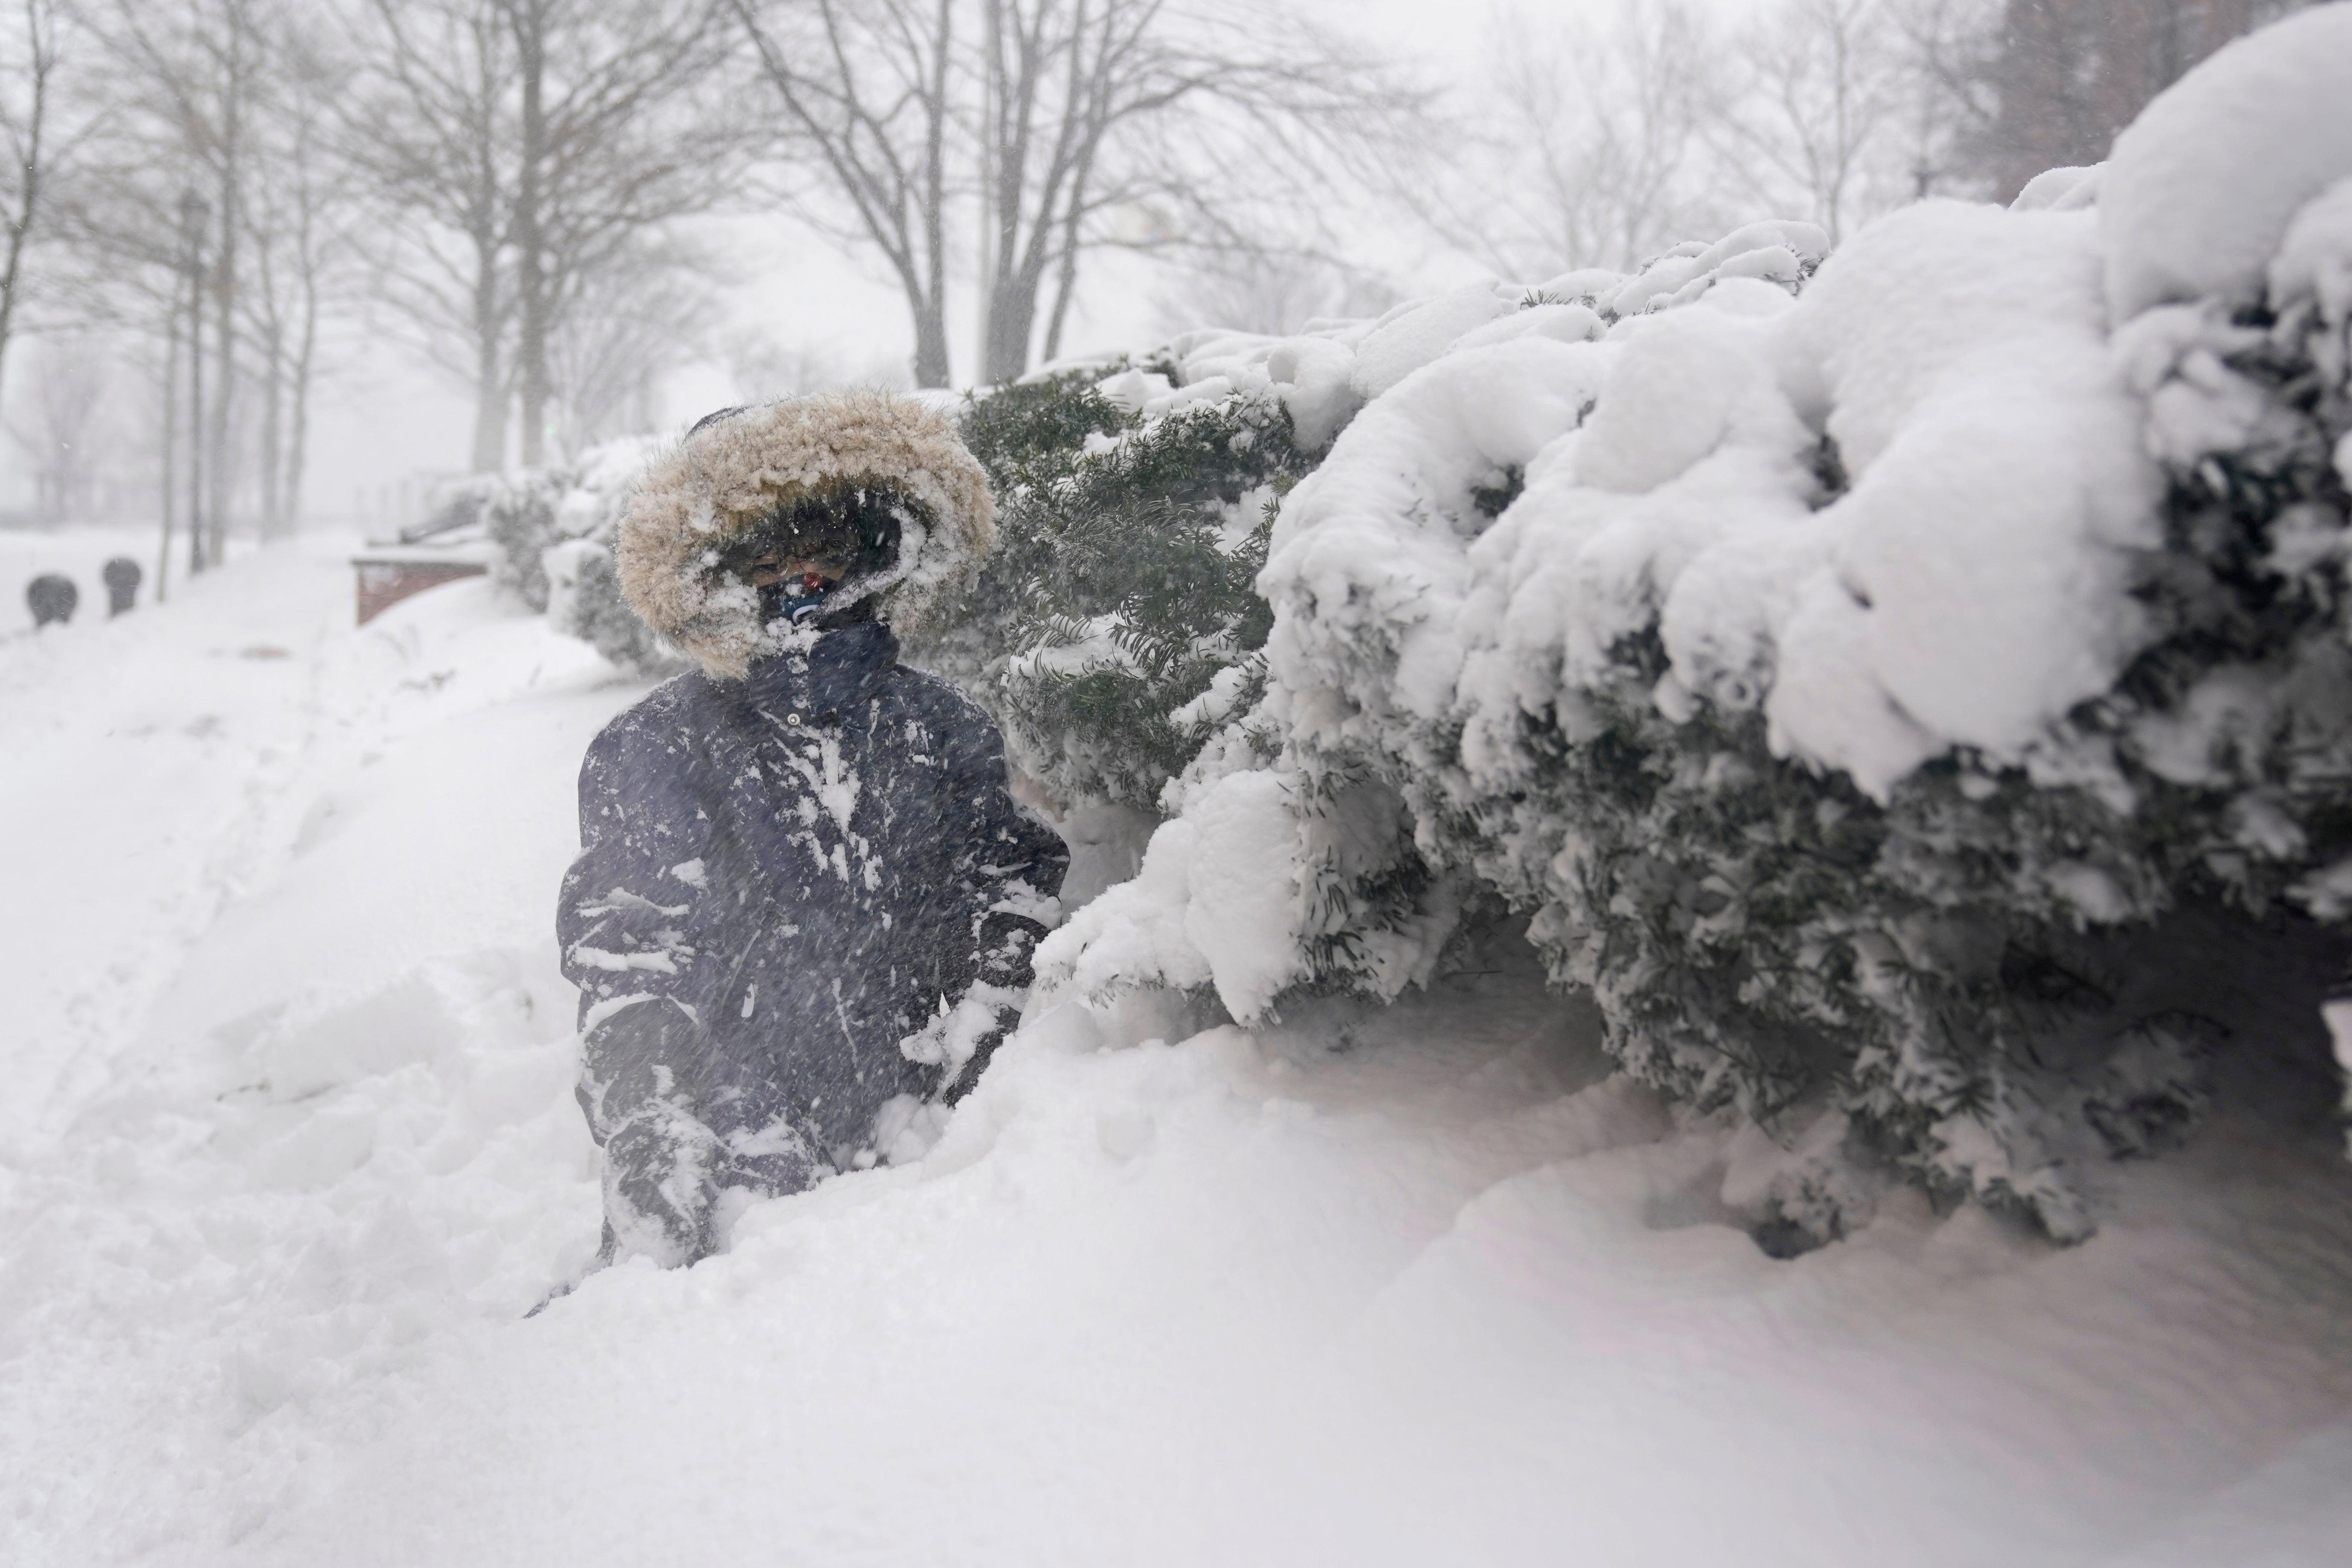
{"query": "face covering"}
(796, 599)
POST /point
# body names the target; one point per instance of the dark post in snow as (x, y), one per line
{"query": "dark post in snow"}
(51, 598)
(122, 576)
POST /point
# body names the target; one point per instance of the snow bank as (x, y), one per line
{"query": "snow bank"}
(2200, 189)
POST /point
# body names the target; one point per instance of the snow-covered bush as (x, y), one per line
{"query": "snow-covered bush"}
(1118, 627)
(1915, 700)
(584, 599)
(554, 529)
(517, 511)
(1116, 624)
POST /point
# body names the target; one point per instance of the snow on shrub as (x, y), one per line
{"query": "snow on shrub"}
(584, 581)
(1916, 701)
(554, 529)
(517, 510)
(1116, 624)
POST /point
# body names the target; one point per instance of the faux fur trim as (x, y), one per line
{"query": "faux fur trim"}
(727, 475)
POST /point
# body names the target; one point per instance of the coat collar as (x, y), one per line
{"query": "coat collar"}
(843, 668)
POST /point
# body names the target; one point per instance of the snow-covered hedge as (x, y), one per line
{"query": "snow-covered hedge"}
(1117, 624)
(554, 530)
(1913, 700)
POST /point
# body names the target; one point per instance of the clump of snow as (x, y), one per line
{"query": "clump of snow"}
(2314, 261)
(2061, 190)
(1417, 332)
(2200, 189)
(1779, 251)
(1999, 484)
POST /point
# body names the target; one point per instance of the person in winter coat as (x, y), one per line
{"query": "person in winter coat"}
(805, 904)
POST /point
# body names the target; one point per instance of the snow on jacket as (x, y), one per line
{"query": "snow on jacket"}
(805, 899)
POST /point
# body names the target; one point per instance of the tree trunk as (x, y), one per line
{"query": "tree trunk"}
(20, 222)
(1071, 135)
(196, 406)
(1082, 175)
(218, 475)
(225, 290)
(489, 372)
(930, 301)
(298, 402)
(1067, 284)
(530, 243)
(930, 345)
(171, 443)
(1004, 132)
(273, 431)
(1012, 320)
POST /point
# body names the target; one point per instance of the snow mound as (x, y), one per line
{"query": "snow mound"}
(2200, 189)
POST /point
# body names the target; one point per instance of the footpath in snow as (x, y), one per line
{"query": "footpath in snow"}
(290, 1147)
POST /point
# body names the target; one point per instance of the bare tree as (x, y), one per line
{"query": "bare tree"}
(1949, 46)
(1815, 121)
(864, 87)
(1597, 148)
(1226, 117)
(299, 223)
(613, 143)
(763, 368)
(69, 382)
(2029, 85)
(426, 126)
(1054, 116)
(635, 320)
(170, 202)
(1266, 292)
(517, 148)
(28, 80)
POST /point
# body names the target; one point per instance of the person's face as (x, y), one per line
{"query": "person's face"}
(783, 565)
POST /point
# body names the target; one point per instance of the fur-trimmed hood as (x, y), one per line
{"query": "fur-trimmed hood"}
(733, 472)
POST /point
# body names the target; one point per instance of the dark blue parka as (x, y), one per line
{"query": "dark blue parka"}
(804, 903)
(800, 896)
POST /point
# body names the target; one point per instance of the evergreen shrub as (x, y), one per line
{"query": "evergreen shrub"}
(1116, 625)
(2001, 975)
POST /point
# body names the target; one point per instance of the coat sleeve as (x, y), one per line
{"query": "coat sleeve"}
(638, 913)
(1006, 875)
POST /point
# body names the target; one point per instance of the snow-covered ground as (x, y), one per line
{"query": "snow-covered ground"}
(288, 1148)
